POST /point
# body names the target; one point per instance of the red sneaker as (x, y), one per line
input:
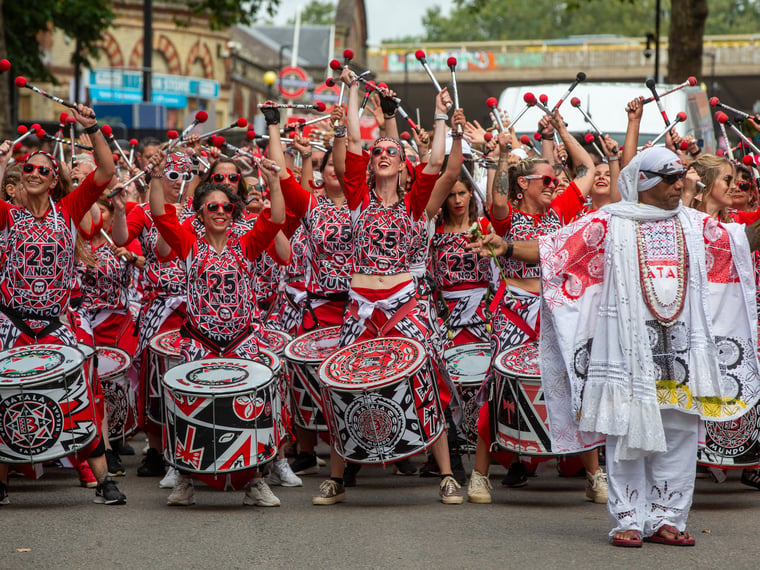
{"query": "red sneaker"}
(86, 478)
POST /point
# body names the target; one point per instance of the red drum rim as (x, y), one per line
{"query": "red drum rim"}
(28, 365)
(508, 362)
(118, 359)
(166, 343)
(220, 376)
(277, 340)
(313, 346)
(372, 363)
(468, 363)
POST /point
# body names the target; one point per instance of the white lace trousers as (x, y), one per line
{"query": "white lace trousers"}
(646, 493)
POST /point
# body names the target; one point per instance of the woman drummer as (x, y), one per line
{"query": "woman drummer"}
(216, 273)
(37, 267)
(524, 207)
(382, 216)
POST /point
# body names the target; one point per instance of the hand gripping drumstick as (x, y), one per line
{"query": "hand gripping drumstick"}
(722, 119)
(651, 85)
(715, 102)
(111, 242)
(108, 132)
(680, 118)
(348, 55)
(578, 79)
(200, 117)
(22, 82)
(575, 102)
(140, 174)
(690, 82)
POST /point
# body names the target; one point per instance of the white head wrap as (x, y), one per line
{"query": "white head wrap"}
(640, 174)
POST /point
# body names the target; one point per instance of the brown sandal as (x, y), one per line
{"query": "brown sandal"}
(678, 539)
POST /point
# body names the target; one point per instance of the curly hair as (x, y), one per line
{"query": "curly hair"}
(202, 192)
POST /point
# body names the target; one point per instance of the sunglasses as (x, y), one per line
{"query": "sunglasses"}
(173, 175)
(547, 181)
(227, 207)
(668, 178)
(43, 170)
(390, 150)
(744, 186)
(232, 177)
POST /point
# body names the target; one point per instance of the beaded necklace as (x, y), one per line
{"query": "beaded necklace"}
(665, 313)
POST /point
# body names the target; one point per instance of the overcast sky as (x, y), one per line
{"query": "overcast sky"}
(386, 19)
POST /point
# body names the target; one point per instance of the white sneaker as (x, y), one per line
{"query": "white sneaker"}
(321, 462)
(169, 480)
(260, 495)
(282, 474)
(182, 494)
(596, 486)
(479, 489)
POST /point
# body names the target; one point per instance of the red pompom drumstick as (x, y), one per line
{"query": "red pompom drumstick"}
(22, 82)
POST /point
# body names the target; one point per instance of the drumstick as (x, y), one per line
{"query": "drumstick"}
(111, 242)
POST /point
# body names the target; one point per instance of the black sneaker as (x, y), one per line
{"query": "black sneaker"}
(404, 467)
(115, 468)
(517, 475)
(457, 468)
(430, 468)
(349, 475)
(107, 493)
(305, 464)
(4, 500)
(750, 477)
(152, 465)
(122, 447)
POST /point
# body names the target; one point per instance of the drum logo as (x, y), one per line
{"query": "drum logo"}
(32, 363)
(30, 423)
(733, 438)
(249, 407)
(217, 375)
(376, 423)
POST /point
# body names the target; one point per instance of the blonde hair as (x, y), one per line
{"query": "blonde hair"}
(708, 167)
(525, 167)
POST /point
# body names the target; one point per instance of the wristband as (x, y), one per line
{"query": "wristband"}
(440, 117)
(307, 155)
(510, 250)
(547, 137)
(389, 116)
(456, 135)
(91, 130)
(696, 154)
(340, 131)
(612, 158)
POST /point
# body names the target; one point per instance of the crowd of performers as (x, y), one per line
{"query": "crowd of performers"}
(433, 237)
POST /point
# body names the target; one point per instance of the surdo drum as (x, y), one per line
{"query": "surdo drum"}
(220, 415)
(276, 340)
(304, 356)
(113, 364)
(467, 365)
(381, 400)
(521, 424)
(46, 405)
(164, 353)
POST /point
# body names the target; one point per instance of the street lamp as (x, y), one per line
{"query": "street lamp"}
(270, 77)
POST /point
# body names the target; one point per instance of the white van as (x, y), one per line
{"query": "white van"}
(605, 104)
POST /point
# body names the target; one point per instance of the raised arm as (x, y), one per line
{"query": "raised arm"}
(105, 167)
(584, 165)
(352, 111)
(500, 193)
(454, 166)
(631, 144)
(438, 146)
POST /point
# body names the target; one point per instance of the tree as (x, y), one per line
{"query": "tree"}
(317, 13)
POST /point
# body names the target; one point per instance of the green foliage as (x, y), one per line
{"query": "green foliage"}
(24, 20)
(222, 14)
(317, 13)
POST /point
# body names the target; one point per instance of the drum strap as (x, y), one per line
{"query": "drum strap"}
(383, 329)
(511, 315)
(219, 348)
(19, 321)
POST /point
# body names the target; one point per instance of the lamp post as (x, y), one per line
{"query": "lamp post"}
(282, 48)
(270, 77)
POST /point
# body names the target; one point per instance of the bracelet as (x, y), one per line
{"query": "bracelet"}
(340, 131)
(696, 154)
(155, 176)
(547, 137)
(456, 135)
(392, 115)
(510, 250)
(613, 158)
(91, 130)
(307, 155)
(440, 117)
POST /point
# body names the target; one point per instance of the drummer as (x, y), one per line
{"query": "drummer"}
(382, 293)
(216, 272)
(34, 302)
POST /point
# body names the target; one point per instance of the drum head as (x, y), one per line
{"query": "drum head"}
(112, 361)
(276, 340)
(314, 346)
(167, 343)
(372, 363)
(519, 362)
(37, 363)
(468, 363)
(86, 350)
(270, 359)
(217, 376)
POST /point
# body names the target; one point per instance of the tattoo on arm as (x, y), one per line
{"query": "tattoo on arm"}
(581, 171)
(502, 179)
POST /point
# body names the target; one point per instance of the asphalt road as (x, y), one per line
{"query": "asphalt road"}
(386, 521)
